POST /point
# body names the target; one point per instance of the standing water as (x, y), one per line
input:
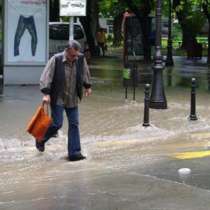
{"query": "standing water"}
(112, 137)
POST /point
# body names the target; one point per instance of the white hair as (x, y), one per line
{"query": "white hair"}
(74, 44)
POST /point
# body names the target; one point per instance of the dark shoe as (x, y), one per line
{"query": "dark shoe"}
(76, 157)
(55, 135)
(40, 146)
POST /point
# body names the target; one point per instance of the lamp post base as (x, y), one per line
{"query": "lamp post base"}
(1, 86)
(193, 117)
(157, 98)
(158, 105)
(146, 124)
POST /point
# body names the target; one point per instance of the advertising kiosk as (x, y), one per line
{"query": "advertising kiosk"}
(25, 40)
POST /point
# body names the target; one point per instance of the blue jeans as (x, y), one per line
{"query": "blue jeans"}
(72, 114)
(25, 23)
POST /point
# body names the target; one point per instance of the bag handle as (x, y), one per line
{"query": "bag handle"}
(45, 107)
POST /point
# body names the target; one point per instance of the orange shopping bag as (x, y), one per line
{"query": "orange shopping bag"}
(39, 122)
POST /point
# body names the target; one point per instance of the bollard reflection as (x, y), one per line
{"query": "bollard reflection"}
(169, 76)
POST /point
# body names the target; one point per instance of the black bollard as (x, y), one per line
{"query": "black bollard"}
(193, 101)
(134, 80)
(146, 105)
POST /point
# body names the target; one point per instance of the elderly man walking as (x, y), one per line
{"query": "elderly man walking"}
(62, 83)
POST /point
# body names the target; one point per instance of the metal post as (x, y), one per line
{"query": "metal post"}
(126, 77)
(1, 50)
(146, 105)
(208, 78)
(134, 78)
(71, 28)
(169, 60)
(158, 99)
(193, 101)
(1, 80)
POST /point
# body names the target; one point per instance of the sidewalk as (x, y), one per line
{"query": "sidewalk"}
(128, 166)
(178, 75)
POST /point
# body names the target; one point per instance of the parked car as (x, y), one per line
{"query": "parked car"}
(59, 36)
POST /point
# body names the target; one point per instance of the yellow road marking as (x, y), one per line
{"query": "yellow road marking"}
(192, 155)
(195, 154)
(170, 147)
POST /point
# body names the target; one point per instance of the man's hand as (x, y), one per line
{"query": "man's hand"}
(88, 92)
(46, 99)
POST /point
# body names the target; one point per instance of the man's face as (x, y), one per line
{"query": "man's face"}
(72, 54)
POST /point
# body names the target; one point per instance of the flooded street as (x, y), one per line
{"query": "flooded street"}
(128, 166)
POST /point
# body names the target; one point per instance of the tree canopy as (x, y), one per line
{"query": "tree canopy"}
(191, 15)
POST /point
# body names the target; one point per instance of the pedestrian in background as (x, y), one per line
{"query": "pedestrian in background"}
(101, 40)
(62, 83)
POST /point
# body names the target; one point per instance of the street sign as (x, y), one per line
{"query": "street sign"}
(72, 8)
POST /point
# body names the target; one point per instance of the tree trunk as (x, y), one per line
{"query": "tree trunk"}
(54, 11)
(208, 58)
(189, 42)
(145, 25)
(188, 39)
(207, 14)
(117, 30)
(142, 15)
(90, 24)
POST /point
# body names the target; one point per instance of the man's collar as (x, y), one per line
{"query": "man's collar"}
(64, 56)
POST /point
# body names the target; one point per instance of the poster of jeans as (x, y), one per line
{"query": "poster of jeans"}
(26, 32)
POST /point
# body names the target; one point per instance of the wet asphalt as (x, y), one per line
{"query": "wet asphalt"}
(128, 166)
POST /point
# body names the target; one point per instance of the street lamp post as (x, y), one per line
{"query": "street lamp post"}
(1, 77)
(1, 52)
(169, 60)
(157, 98)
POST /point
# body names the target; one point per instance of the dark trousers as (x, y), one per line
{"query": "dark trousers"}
(25, 23)
(73, 127)
(102, 46)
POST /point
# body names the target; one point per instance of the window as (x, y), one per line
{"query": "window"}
(61, 32)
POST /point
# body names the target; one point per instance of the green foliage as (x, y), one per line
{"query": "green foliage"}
(195, 22)
(110, 38)
(205, 2)
(116, 7)
(194, 17)
(111, 7)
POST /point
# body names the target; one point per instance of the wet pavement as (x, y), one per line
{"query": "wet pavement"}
(128, 166)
